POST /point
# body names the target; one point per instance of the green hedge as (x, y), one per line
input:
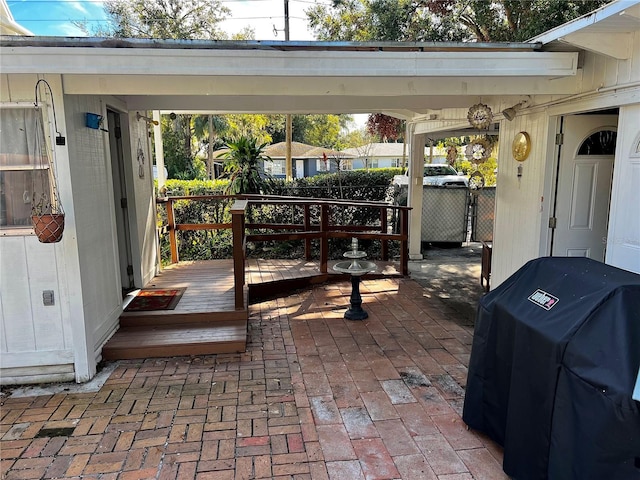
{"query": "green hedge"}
(357, 185)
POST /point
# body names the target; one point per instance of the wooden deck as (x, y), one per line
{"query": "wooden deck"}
(205, 321)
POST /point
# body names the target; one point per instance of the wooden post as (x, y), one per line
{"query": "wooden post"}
(237, 227)
(173, 242)
(307, 227)
(383, 228)
(324, 239)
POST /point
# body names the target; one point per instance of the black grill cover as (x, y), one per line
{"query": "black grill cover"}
(555, 357)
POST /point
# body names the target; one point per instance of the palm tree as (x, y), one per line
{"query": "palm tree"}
(244, 165)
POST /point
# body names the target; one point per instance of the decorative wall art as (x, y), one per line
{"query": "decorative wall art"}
(480, 116)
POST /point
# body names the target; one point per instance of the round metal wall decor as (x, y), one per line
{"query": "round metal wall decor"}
(480, 116)
(478, 150)
(476, 181)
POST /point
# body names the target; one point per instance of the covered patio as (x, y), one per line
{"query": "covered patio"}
(314, 396)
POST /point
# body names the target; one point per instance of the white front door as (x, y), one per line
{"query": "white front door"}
(299, 168)
(584, 186)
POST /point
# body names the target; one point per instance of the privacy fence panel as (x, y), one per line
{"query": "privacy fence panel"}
(444, 214)
(454, 214)
(482, 207)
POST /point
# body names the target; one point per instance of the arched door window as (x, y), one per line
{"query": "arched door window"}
(602, 142)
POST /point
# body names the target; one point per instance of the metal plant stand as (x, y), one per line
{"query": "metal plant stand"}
(355, 267)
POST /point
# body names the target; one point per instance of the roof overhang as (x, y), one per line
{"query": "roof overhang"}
(608, 31)
(293, 77)
(8, 26)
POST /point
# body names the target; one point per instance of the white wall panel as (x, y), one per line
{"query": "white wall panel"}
(602, 71)
(623, 239)
(95, 220)
(35, 338)
(143, 216)
(520, 203)
(43, 275)
(17, 315)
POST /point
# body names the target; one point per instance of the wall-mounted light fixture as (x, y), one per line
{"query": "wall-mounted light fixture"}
(146, 119)
(510, 113)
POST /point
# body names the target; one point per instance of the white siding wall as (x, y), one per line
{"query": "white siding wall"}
(600, 71)
(95, 219)
(62, 342)
(520, 207)
(37, 341)
(623, 240)
(142, 215)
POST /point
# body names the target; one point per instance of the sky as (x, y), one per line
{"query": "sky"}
(56, 17)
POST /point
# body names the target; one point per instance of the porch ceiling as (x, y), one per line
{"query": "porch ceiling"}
(406, 80)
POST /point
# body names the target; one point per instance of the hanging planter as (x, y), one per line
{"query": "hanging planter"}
(47, 214)
(48, 227)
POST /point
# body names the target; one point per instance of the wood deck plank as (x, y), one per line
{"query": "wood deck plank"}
(205, 321)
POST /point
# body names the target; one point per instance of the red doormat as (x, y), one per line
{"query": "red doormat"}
(149, 299)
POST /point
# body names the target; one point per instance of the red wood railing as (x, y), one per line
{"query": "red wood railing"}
(323, 229)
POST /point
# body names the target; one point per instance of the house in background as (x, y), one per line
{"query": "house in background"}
(575, 92)
(390, 155)
(307, 160)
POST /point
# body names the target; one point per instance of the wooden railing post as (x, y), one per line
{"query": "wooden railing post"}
(173, 242)
(383, 229)
(404, 243)
(237, 227)
(307, 227)
(324, 238)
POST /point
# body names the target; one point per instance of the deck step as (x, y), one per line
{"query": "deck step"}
(222, 336)
(171, 317)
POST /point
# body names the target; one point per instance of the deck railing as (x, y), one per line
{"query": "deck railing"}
(322, 226)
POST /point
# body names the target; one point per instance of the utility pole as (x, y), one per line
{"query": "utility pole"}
(211, 168)
(288, 169)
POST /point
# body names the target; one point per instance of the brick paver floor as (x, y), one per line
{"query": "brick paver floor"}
(314, 397)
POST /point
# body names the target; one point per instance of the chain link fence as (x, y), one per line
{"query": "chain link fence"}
(483, 203)
(455, 214)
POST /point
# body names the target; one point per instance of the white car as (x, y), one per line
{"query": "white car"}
(437, 174)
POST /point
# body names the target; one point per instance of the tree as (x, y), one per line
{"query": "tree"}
(178, 150)
(442, 20)
(247, 125)
(385, 127)
(371, 20)
(320, 130)
(208, 129)
(244, 167)
(175, 19)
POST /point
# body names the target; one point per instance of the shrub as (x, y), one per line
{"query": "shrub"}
(358, 185)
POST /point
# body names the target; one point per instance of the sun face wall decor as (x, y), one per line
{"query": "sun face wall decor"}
(521, 146)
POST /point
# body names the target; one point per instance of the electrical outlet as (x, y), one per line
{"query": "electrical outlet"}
(48, 298)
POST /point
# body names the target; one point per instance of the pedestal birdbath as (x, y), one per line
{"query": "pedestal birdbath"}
(356, 267)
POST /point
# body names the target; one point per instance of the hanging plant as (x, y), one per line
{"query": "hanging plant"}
(47, 214)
